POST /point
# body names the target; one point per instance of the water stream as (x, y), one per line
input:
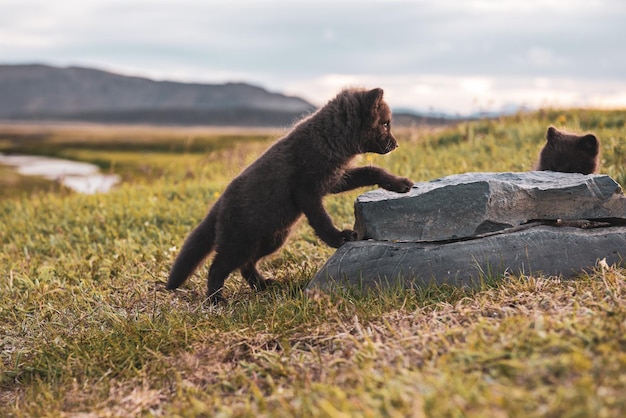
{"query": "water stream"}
(78, 176)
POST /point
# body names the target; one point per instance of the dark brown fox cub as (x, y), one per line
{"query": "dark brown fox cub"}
(569, 153)
(254, 215)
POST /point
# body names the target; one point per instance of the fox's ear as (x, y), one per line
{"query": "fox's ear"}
(373, 97)
(552, 135)
(589, 143)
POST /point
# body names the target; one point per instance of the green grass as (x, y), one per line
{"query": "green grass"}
(86, 326)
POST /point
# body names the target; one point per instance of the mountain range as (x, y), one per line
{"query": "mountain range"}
(37, 92)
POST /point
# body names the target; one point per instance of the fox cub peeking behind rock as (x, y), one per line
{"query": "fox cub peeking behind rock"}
(569, 153)
(254, 215)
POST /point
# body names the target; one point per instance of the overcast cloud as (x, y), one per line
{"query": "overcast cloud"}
(455, 56)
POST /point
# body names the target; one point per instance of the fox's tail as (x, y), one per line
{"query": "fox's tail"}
(196, 248)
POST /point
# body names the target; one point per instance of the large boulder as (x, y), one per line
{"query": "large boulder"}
(564, 251)
(463, 228)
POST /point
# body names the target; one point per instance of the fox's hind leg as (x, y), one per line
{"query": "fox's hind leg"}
(266, 247)
(254, 278)
(221, 267)
(229, 256)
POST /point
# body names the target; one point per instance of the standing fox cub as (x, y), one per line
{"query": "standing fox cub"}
(254, 215)
(569, 153)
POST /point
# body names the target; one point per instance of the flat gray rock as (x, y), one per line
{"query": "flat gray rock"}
(547, 250)
(471, 204)
(464, 228)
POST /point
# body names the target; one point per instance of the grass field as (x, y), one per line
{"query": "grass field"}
(86, 328)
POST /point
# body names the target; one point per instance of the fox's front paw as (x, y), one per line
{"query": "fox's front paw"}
(399, 185)
(348, 235)
(341, 237)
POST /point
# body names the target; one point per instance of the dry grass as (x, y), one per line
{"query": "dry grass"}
(86, 329)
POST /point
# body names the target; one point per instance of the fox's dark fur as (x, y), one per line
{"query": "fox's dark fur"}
(254, 215)
(569, 153)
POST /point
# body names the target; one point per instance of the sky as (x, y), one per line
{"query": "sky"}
(452, 56)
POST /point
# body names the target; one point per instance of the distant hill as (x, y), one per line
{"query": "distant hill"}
(41, 92)
(44, 93)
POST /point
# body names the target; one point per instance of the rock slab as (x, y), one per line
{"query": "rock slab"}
(471, 204)
(540, 250)
(464, 228)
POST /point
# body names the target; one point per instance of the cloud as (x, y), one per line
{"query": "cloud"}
(466, 95)
(541, 59)
(455, 53)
